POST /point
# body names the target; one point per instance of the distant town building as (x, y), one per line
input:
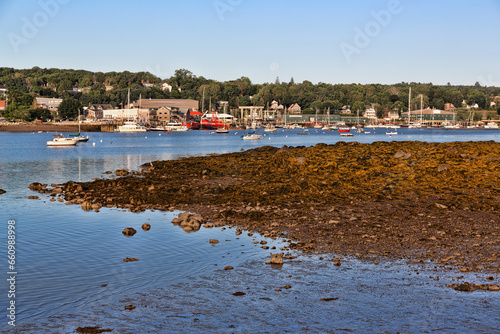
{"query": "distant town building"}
(3, 90)
(51, 104)
(345, 110)
(370, 112)
(3, 105)
(429, 115)
(137, 114)
(165, 86)
(393, 115)
(182, 104)
(108, 87)
(147, 84)
(96, 111)
(162, 114)
(495, 101)
(449, 106)
(86, 90)
(294, 109)
(473, 106)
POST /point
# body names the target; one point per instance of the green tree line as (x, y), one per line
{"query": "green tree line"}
(26, 84)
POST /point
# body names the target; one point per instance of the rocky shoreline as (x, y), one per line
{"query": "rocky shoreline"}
(432, 203)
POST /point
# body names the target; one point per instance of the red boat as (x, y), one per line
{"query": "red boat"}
(216, 120)
(344, 130)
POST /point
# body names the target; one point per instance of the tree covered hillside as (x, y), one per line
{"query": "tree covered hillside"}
(112, 88)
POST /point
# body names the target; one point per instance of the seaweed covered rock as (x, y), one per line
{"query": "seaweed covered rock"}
(392, 199)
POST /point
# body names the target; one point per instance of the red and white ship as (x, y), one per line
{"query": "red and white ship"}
(215, 120)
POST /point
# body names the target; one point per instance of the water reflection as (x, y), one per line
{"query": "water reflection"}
(67, 255)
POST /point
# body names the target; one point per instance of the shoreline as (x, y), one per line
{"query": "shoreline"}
(435, 203)
(49, 127)
(108, 127)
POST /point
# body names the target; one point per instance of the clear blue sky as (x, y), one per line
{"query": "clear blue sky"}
(333, 41)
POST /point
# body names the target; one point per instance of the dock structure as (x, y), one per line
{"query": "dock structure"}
(251, 113)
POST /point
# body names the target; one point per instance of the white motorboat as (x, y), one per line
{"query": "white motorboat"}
(270, 128)
(181, 128)
(222, 130)
(491, 125)
(176, 126)
(158, 128)
(130, 126)
(60, 141)
(252, 136)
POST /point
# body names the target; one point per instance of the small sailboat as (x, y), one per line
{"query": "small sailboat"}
(79, 137)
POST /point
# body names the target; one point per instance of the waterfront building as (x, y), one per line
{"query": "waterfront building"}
(182, 104)
(164, 114)
(393, 115)
(137, 114)
(429, 115)
(370, 113)
(95, 111)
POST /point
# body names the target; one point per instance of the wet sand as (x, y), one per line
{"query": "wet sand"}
(422, 202)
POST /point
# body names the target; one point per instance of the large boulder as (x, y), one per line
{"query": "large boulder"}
(188, 221)
(36, 186)
(276, 258)
(122, 172)
(129, 231)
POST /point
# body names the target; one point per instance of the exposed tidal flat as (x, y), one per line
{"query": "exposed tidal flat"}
(372, 234)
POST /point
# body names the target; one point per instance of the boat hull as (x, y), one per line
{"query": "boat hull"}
(61, 143)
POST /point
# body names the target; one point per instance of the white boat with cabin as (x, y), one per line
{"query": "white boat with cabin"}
(252, 136)
(130, 127)
(61, 141)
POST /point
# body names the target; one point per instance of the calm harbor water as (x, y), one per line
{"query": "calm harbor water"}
(64, 255)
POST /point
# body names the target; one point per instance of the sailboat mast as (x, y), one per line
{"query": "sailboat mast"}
(203, 101)
(409, 106)
(421, 101)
